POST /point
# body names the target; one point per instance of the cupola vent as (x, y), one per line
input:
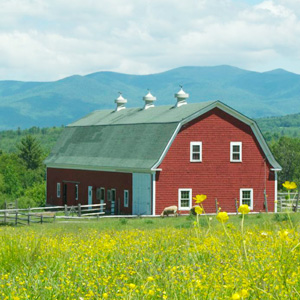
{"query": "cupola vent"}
(181, 97)
(120, 101)
(149, 99)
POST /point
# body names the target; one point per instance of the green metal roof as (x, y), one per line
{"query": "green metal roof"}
(158, 114)
(133, 146)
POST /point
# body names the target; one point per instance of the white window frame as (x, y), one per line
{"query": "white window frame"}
(76, 191)
(251, 196)
(192, 152)
(179, 199)
(58, 190)
(126, 198)
(231, 151)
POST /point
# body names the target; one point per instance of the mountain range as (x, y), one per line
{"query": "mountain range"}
(44, 104)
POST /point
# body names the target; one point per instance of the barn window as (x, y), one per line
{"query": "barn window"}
(196, 151)
(235, 151)
(184, 199)
(76, 191)
(126, 196)
(58, 190)
(246, 197)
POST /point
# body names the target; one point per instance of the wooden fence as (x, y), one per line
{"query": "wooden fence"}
(287, 202)
(16, 216)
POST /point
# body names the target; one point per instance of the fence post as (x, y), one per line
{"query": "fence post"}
(236, 206)
(16, 219)
(28, 216)
(79, 210)
(266, 200)
(217, 208)
(66, 210)
(297, 201)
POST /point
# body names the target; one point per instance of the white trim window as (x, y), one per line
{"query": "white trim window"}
(246, 197)
(235, 151)
(58, 190)
(76, 191)
(195, 151)
(126, 198)
(184, 199)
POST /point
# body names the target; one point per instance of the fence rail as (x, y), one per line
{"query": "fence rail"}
(288, 202)
(26, 216)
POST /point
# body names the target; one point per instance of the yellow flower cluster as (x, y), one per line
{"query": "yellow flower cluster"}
(86, 261)
(290, 185)
(244, 209)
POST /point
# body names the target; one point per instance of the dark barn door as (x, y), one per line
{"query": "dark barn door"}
(65, 201)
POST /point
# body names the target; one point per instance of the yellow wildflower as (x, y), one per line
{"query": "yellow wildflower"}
(199, 198)
(132, 285)
(290, 185)
(151, 292)
(236, 296)
(198, 210)
(244, 209)
(105, 295)
(244, 293)
(222, 217)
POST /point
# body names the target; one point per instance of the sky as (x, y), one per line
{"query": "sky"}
(43, 40)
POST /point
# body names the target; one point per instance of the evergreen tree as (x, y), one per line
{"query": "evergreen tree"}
(30, 152)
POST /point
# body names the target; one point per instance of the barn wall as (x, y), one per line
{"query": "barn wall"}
(96, 179)
(215, 176)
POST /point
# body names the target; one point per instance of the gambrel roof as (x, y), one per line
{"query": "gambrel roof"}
(133, 140)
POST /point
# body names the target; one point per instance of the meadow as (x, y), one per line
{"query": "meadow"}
(157, 258)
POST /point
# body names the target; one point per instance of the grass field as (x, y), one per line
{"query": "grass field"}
(159, 258)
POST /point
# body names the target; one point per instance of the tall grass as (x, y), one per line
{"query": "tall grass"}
(152, 259)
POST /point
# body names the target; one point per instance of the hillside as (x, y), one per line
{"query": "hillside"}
(44, 104)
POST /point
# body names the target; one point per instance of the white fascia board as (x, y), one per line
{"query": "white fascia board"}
(167, 147)
(244, 119)
(95, 168)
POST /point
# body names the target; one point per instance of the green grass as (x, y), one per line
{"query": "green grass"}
(152, 258)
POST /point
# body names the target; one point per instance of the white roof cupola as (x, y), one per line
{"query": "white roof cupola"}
(149, 99)
(181, 97)
(120, 101)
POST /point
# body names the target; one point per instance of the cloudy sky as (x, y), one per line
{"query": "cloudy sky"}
(46, 40)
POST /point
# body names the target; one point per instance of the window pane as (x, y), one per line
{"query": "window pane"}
(236, 156)
(185, 195)
(185, 203)
(236, 148)
(196, 156)
(196, 148)
(248, 202)
(246, 195)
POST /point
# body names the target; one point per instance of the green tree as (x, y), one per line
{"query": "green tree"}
(287, 153)
(30, 152)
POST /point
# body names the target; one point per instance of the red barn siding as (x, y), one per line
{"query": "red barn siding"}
(96, 179)
(215, 176)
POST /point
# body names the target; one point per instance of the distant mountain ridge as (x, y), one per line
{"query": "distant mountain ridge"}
(44, 104)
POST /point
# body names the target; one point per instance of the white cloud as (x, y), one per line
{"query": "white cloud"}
(47, 40)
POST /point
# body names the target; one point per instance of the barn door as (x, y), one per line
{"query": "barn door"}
(141, 194)
(90, 196)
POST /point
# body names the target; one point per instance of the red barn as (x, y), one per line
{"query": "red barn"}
(140, 160)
